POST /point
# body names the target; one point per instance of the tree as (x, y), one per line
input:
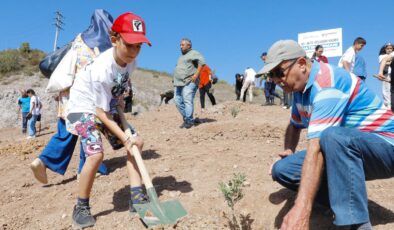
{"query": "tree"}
(25, 47)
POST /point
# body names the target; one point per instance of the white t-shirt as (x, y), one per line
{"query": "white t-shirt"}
(348, 56)
(36, 100)
(250, 75)
(381, 58)
(99, 82)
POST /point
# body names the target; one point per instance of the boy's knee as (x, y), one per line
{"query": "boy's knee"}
(96, 158)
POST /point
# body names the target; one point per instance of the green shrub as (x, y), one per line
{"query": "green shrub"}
(25, 48)
(10, 61)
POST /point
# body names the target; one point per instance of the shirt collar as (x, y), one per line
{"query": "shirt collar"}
(312, 75)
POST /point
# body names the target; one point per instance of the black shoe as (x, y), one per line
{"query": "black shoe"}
(188, 125)
(82, 217)
(182, 126)
(197, 121)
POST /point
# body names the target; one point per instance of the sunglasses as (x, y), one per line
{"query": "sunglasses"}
(279, 72)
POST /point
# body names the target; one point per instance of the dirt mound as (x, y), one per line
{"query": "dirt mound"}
(186, 164)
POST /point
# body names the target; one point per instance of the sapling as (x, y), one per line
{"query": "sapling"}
(234, 111)
(232, 191)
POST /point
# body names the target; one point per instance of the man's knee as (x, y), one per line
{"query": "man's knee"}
(331, 136)
(278, 171)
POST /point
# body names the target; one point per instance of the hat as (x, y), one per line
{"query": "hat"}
(280, 51)
(131, 28)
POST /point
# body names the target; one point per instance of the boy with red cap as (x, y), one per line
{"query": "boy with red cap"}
(96, 92)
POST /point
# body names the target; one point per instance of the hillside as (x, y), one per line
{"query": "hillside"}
(147, 87)
(188, 165)
(184, 164)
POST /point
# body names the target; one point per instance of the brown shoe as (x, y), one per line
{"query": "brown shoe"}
(39, 170)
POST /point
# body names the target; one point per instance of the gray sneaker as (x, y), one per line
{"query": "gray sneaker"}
(82, 217)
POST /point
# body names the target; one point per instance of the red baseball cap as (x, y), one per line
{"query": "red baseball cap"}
(131, 28)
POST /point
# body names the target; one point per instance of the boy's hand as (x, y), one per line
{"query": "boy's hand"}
(135, 140)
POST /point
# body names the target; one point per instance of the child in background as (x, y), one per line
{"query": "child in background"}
(96, 90)
(35, 107)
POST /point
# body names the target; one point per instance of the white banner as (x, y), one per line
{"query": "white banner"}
(331, 40)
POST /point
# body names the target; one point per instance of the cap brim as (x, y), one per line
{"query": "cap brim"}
(268, 67)
(135, 38)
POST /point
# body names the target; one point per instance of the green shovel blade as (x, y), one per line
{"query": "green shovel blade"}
(156, 212)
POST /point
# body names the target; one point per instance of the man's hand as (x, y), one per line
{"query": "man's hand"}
(280, 156)
(296, 219)
(194, 77)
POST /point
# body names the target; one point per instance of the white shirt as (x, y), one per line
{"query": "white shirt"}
(250, 75)
(381, 58)
(348, 56)
(36, 101)
(100, 81)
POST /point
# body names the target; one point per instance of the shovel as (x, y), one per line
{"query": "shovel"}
(154, 212)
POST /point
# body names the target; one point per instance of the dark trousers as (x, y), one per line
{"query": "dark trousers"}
(238, 93)
(392, 97)
(204, 90)
(24, 121)
(287, 98)
(128, 105)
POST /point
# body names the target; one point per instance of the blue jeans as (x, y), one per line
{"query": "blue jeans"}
(57, 154)
(184, 100)
(351, 157)
(32, 125)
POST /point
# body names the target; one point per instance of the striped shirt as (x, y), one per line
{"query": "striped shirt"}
(335, 97)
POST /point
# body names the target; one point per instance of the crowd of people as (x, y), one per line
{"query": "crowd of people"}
(350, 131)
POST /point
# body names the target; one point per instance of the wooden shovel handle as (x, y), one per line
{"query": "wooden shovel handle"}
(135, 152)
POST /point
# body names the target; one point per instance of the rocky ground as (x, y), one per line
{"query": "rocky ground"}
(187, 165)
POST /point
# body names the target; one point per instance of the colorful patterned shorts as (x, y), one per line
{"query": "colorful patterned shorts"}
(84, 125)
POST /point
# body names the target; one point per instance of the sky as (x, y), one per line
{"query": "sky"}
(231, 34)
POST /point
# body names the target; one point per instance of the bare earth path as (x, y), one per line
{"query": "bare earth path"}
(184, 164)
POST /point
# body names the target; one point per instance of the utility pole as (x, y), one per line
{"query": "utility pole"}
(58, 24)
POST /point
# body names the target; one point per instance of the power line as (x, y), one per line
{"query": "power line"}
(59, 26)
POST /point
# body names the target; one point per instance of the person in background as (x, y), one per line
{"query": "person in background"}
(274, 94)
(267, 90)
(360, 67)
(205, 86)
(248, 83)
(35, 107)
(23, 109)
(348, 59)
(384, 52)
(186, 80)
(166, 96)
(318, 55)
(238, 85)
